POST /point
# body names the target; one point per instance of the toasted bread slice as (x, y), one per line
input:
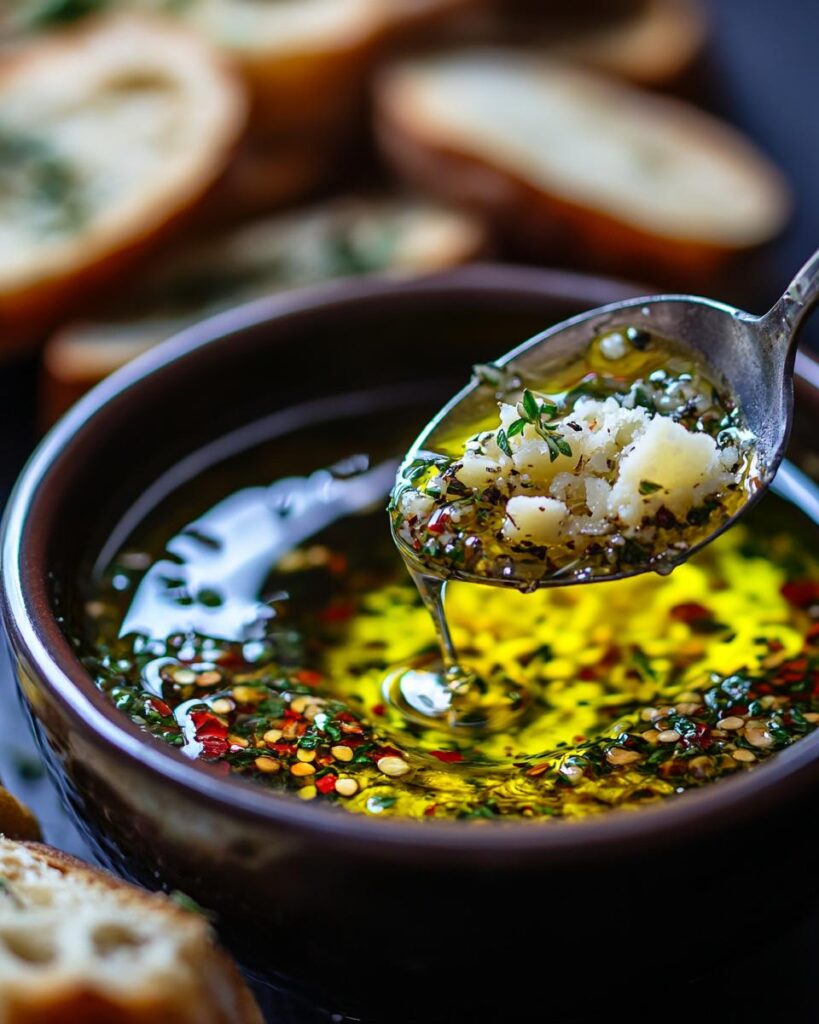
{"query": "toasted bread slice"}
(578, 164)
(340, 238)
(78, 946)
(16, 820)
(108, 133)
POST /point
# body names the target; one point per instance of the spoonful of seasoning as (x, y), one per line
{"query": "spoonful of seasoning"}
(618, 442)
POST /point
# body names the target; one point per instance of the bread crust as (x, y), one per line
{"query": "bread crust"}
(220, 996)
(16, 820)
(657, 47)
(30, 306)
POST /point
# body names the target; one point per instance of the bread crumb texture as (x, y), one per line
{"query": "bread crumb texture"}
(78, 945)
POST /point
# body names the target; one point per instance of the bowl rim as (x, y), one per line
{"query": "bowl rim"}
(41, 647)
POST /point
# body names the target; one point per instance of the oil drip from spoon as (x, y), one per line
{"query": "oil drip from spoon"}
(444, 693)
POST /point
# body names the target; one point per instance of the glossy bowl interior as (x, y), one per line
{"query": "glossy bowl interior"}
(280, 873)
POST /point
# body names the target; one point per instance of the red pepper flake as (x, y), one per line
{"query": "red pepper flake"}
(378, 752)
(345, 716)
(448, 756)
(611, 657)
(702, 736)
(308, 678)
(796, 669)
(582, 739)
(291, 715)
(226, 658)
(430, 811)
(287, 749)
(326, 784)
(812, 635)
(337, 564)
(587, 673)
(671, 768)
(690, 611)
(208, 725)
(378, 709)
(337, 613)
(438, 521)
(802, 593)
(214, 746)
(160, 707)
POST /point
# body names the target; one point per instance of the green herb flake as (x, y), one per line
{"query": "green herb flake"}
(649, 487)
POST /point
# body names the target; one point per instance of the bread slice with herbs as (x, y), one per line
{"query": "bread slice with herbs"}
(578, 164)
(340, 238)
(78, 946)
(108, 134)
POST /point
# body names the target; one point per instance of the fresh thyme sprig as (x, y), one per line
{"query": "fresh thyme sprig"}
(541, 416)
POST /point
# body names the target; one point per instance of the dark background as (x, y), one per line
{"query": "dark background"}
(763, 75)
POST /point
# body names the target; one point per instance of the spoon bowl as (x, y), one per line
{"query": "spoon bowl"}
(752, 357)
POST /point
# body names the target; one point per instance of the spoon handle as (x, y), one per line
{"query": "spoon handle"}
(801, 295)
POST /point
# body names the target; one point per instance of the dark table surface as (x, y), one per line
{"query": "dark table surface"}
(764, 76)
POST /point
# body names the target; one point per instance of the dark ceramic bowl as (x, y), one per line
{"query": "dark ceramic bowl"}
(367, 911)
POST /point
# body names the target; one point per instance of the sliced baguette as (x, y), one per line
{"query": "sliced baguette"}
(344, 237)
(110, 133)
(77, 946)
(16, 820)
(577, 164)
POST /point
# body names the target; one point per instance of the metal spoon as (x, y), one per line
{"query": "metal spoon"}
(752, 355)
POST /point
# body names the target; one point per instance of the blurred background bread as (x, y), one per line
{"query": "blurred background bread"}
(77, 946)
(108, 134)
(304, 61)
(493, 110)
(340, 238)
(648, 42)
(570, 161)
